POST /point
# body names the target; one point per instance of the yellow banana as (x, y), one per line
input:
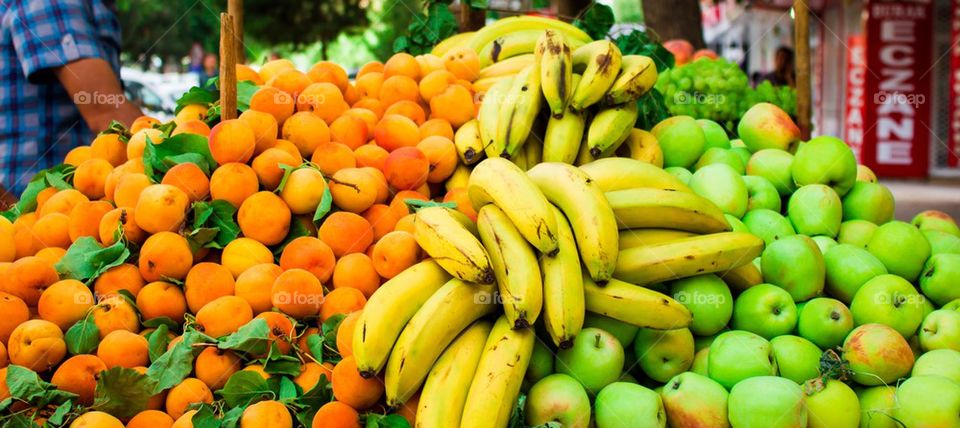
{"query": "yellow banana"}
(556, 70)
(498, 181)
(639, 208)
(394, 303)
(630, 238)
(718, 252)
(561, 142)
(637, 75)
(450, 238)
(600, 62)
(625, 173)
(563, 307)
(442, 317)
(609, 128)
(445, 391)
(469, 143)
(508, 46)
(514, 264)
(591, 216)
(642, 146)
(519, 111)
(506, 67)
(533, 150)
(743, 277)
(499, 375)
(484, 85)
(520, 160)
(459, 178)
(489, 33)
(494, 100)
(635, 305)
(452, 42)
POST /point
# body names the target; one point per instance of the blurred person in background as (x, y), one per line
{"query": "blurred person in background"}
(59, 83)
(196, 58)
(784, 73)
(210, 70)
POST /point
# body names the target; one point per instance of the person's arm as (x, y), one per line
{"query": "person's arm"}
(96, 92)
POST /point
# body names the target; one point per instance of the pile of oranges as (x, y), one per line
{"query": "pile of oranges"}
(370, 145)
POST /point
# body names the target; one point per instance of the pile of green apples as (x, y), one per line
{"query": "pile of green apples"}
(856, 321)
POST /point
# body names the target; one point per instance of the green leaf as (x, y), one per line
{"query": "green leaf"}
(17, 420)
(158, 158)
(326, 202)
(516, 417)
(279, 364)
(417, 204)
(158, 321)
(83, 337)
(213, 224)
(196, 95)
(252, 338)
(639, 43)
(374, 420)
(59, 416)
(541, 4)
(123, 392)
(158, 341)
(25, 385)
(288, 389)
(245, 91)
(312, 400)
(245, 387)
(176, 364)
(204, 418)
(86, 259)
(231, 418)
(481, 4)
(115, 127)
(596, 21)
(58, 177)
(315, 344)
(424, 32)
(653, 109)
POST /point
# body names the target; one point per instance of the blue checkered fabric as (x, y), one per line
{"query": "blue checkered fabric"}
(39, 123)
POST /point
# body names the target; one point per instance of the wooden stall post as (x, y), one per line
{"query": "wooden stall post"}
(801, 23)
(235, 9)
(228, 68)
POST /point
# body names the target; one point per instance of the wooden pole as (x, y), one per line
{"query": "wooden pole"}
(235, 8)
(228, 68)
(801, 23)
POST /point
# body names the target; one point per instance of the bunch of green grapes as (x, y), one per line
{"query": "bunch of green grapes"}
(784, 97)
(704, 89)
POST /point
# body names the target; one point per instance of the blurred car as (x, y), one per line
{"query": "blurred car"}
(155, 93)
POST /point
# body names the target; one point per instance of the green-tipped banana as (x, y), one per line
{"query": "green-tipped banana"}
(394, 303)
(556, 70)
(450, 238)
(638, 74)
(635, 305)
(498, 181)
(520, 110)
(600, 62)
(445, 391)
(499, 375)
(515, 266)
(508, 46)
(718, 252)
(507, 67)
(442, 317)
(665, 209)
(591, 216)
(610, 128)
(561, 142)
(625, 173)
(563, 307)
(469, 143)
(494, 100)
(630, 238)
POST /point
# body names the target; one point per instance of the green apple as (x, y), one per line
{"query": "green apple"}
(663, 354)
(940, 280)
(761, 194)
(795, 264)
(848, 268)
(736, 225)
(558, 398)
(595, 359)
(824, 243)
(856, 232)
(700, 360)
(831, 404)
(774, 165)
(928, 307)
(737, 355)
(936, 220)
(766, 402)
(825, 160)
(766, 310)
(940, 330)
(798, 359)
(877, 404)
(628, 378)
(868, 201)
(737, 143)
(941, 242)
(901, 248)
(742, 152)
(766, 224)
(723, 186)
(692, 400)
(865, 174)
(622, 331)
(953, 305)
(682, 174)
(766, 126)
(541, 364)
(681, 139)
(825, 322)
(709, 300)
(716, 155)
(928, 401)
(891, 300)
(703, 342)
(815, 209)
(715, 134)
(877, 354)
(939, 362)
(627, 405)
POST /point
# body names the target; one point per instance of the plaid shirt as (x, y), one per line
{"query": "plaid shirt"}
(39, 122)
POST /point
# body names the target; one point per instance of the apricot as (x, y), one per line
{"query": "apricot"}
(121, 348)
(462, 199)
(350, 96)
(243, 253)
(95, 419)
(110, 148)
(165, 255)
(441, 153)
(436, 128)
(303, 191)
(407, 168)
(310, 374)
(267, 166)
(351, 388)
(287, 147)
(190, 390)
(291, 81)
(371, 104)
(150, 419)
(282, 331)
(306, 131)
(369, 118)
(193, 126)
(394, 253)
(115, 313)
(273, 67)
(189, 178)
(51, 255)
(402, 64)
(185, 420)
(371, 155)
(122, 277)
(15, 312)
(65, 302)
(357, 271)
(244, 72)
(110, 226)
(369, 84)
(267, 413)
(395, 131)
(331, 157)
(28, 278)
(354, 189)
(370, 67)
(128, 189)
(253, 285)
(336, 415)
(274, 102)
(298, 293)
(454, 104)
(326, 71)
(224, 315)
(52, 230)
(409, 109)
(264, 217)
(310, 254)
(214, 366)
(323, 100)
(435, 83)
(399, 88)
(77, 155)
(162, 299)
(138, 141)
(61, 202)
(346, 233)
(37, 345)
(191, 112)
(232, 140)
(90, 176)
(205, 283)
(345, 333)
(342, 301)
(264, 127)
(85, 219)
(234, 183)
(258, 369)
(161, 208)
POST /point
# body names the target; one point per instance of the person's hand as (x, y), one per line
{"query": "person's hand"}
(97, 93)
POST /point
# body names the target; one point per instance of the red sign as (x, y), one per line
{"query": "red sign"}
(856, 99)
(899, 58)
(954, 98)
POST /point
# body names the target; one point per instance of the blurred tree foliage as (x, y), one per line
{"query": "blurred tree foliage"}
(168, 28)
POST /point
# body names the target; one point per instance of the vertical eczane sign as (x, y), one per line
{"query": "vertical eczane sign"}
(855, 99)
(899, 60)
(953, 131)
